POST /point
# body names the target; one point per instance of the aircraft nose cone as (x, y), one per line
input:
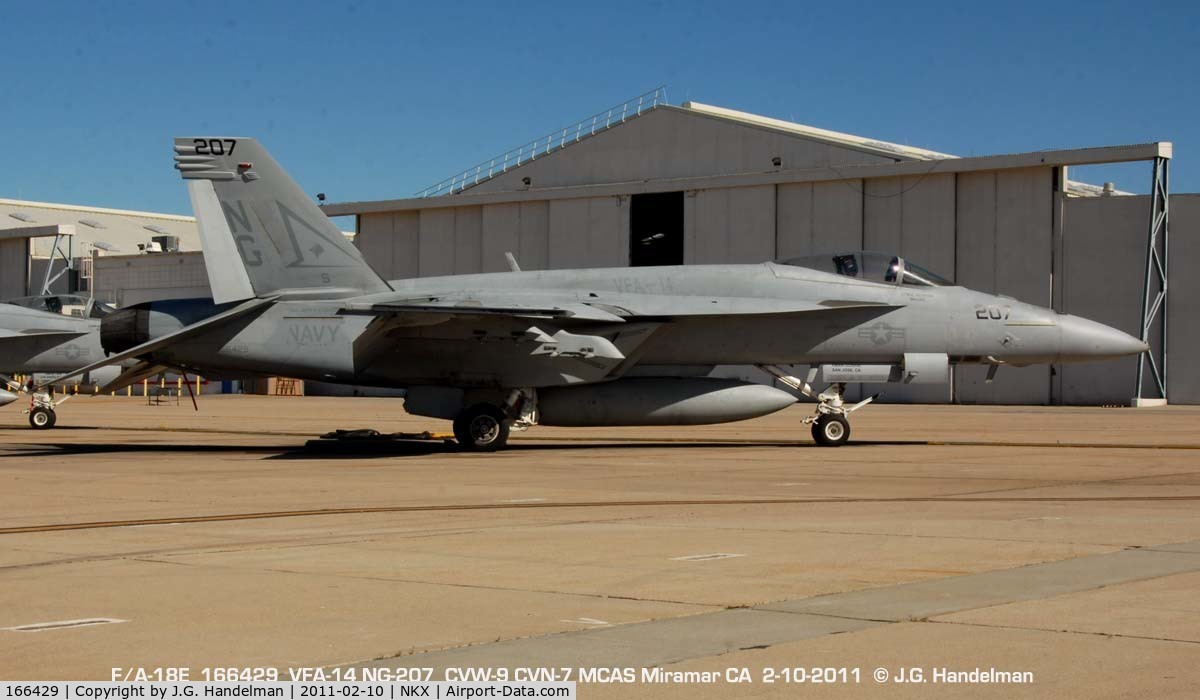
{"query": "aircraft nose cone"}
(1082, 339)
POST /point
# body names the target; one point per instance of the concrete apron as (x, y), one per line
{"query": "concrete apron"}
(668, 641)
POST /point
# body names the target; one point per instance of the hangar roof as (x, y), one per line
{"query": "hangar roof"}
(119, 228)
(666, 142)
(858, 143)
(1081, 189)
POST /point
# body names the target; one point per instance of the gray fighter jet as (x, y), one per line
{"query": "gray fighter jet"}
(593, 347)
(37, 334)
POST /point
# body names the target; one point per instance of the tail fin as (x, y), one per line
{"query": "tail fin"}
(261, 234)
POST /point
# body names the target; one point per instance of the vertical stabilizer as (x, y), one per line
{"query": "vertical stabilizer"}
(261, 234)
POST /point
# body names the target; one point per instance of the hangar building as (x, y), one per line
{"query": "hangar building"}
(648, 183)
(52, 245)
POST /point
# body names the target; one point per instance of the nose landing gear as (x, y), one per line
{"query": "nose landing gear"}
(831, 430)
(41, 403)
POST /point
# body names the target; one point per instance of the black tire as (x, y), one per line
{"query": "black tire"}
(42, 418)
(831, 431)
(481, 428)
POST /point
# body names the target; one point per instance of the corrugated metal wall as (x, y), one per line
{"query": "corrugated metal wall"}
(1103, 268)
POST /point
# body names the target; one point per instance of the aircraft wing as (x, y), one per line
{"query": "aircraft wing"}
(171, 338)
(683, 307)
(619, 308)
(433, 310)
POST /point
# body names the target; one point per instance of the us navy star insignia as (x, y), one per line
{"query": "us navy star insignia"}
(881, 333)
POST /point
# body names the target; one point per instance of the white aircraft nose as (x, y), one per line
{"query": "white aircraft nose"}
(7, 397)
(1081, 339)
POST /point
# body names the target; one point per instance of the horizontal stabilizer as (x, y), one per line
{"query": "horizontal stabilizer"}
(34, 332)
(133, 375)
(170, 338)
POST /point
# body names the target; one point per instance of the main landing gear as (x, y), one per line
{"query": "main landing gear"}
(485, 427)
(830, 423)
(481, 428)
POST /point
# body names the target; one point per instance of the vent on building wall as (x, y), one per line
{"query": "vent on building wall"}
(92, 223)
(22, 216)
(155, 228)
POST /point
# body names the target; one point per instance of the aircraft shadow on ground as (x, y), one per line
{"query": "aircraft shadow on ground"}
(339, 450)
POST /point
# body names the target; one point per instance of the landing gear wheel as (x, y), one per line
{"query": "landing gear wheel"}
(831, 431)
(481, 428)
(42, 418)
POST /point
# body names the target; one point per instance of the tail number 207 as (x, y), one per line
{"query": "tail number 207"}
(214, 147)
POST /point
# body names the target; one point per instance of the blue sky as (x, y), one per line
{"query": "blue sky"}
(373, 100)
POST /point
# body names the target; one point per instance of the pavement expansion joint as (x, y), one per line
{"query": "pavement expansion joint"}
(1024, 628)
(675, 639)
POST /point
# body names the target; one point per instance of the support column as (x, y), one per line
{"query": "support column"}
(1154, 295)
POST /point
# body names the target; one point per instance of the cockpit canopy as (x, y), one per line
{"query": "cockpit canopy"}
(65, 304)
(884, 268)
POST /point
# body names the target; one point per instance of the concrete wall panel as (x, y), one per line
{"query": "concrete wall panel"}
(1024, 221)
(591, 232)
(1104, 258)
(975, 244)
(1183, 302)
(821, 217)
(794, 220)
(883, 214)
(568, 242)
(752, 224)
(709, 226)
(535, 236)
(837, 222)
(468, 240)
(501, 233)
(406, 245)
(928, 221)
(375, 240)
(734, 225)
(608, 232)
(436, 245)
(14, 268)
(1018, 264)
(1104, 253)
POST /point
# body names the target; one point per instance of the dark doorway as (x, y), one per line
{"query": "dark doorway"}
(656, 229)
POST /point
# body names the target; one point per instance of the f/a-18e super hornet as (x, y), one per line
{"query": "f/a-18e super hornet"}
(49, 333)
(592, 347)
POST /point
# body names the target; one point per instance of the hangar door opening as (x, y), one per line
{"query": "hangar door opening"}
(656, 229)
